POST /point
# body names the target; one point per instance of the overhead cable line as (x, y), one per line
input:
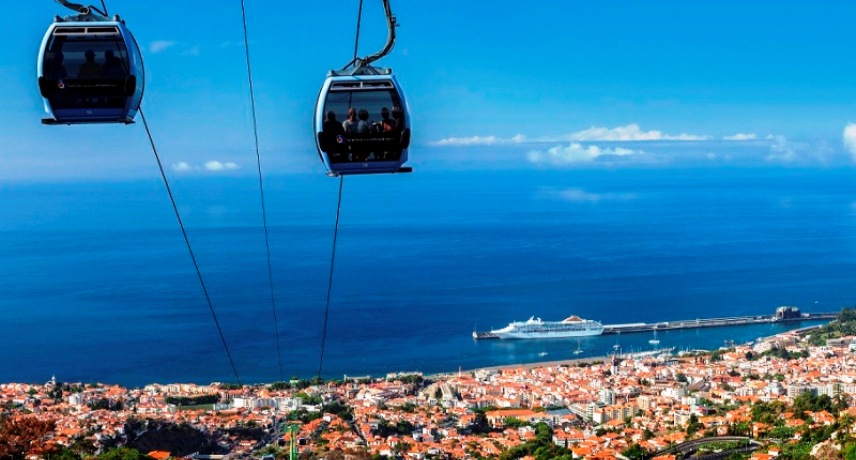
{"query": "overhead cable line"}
(261, 189)
(336, 228)
(330, 278)
(189, 247)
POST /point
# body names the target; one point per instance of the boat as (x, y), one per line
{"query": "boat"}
(536, 328)
(655, 340)
(579, 348)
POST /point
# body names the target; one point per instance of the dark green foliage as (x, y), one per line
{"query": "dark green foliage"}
(122, 453)
(192, 400)
(810, 402)
(341, 410)
(769, 412)
(844, 325)
(303, 415)
(781, 432)
(149, 435)
(694, 425)
(412, 379)
(634, 452)
(542, 447)
(480, 424)
(798, 451)
(106, 404)
(276, 386)
(62, 453)
(310, 400)
(512, 422)
(386, 429)
(849, 451)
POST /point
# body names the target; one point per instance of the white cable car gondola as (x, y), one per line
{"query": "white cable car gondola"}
(362, 123)
(90, 69)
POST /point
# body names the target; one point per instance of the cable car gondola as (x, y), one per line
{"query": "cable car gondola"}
(90, 69)
(362, 123)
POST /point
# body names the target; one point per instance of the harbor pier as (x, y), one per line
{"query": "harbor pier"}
(782, 314)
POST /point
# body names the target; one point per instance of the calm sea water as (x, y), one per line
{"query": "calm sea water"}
(96, 283)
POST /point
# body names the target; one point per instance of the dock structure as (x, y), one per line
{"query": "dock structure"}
(783, 314)
(711, 322)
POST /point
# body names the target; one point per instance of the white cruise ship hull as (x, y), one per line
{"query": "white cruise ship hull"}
(538, 329)
(548, 334)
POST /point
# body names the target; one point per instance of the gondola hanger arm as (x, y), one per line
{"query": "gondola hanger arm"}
(83, 10)
(392, 23)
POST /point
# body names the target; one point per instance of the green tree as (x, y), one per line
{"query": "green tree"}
(634, 452)
(62, 453)
(123, 453)
(694, 425)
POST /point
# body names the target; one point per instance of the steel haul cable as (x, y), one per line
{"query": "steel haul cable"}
(261, 189)
(189, 247)
(336, 228)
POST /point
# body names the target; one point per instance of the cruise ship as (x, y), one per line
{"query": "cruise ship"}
(536, 328)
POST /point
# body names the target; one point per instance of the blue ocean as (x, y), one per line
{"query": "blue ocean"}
(96, 282)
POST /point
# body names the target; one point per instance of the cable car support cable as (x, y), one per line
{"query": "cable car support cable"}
(189, 247)
(330, 279)
(261, 189)
(361, 63)
(336, 227)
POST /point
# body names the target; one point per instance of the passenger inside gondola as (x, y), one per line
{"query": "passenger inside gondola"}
(113, 67)
(372, 131)
(350, 121)
(333, 138)
(55, 68)
(90, 68)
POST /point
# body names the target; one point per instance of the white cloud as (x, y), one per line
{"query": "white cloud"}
(631, 132)
(850, 139)
(628, 133)
(580, 195)
(577, 153)
(192, 51)
(213, 165)
(181, 166)
(218, 166)
(479, 140)
(159, 46)
(781, 150)
(741, 137)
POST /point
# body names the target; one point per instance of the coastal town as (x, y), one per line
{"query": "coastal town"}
(616, 407)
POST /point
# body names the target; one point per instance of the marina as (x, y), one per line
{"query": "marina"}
(782, 314)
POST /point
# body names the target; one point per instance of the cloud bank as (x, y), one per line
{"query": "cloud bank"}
(213, 166)
(479, 140)
(159, 46)
(850, 140)
(630, 145)
(631, 132)
(579, 195)
(577, 153)
(626, 133)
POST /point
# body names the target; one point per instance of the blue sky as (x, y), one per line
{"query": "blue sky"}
(511, 85)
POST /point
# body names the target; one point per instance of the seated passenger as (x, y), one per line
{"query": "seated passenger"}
(113, 67)
(55, 69)
(332, 126)
(349, 125)
(398, 118)
(90, 68)
(363, 124)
